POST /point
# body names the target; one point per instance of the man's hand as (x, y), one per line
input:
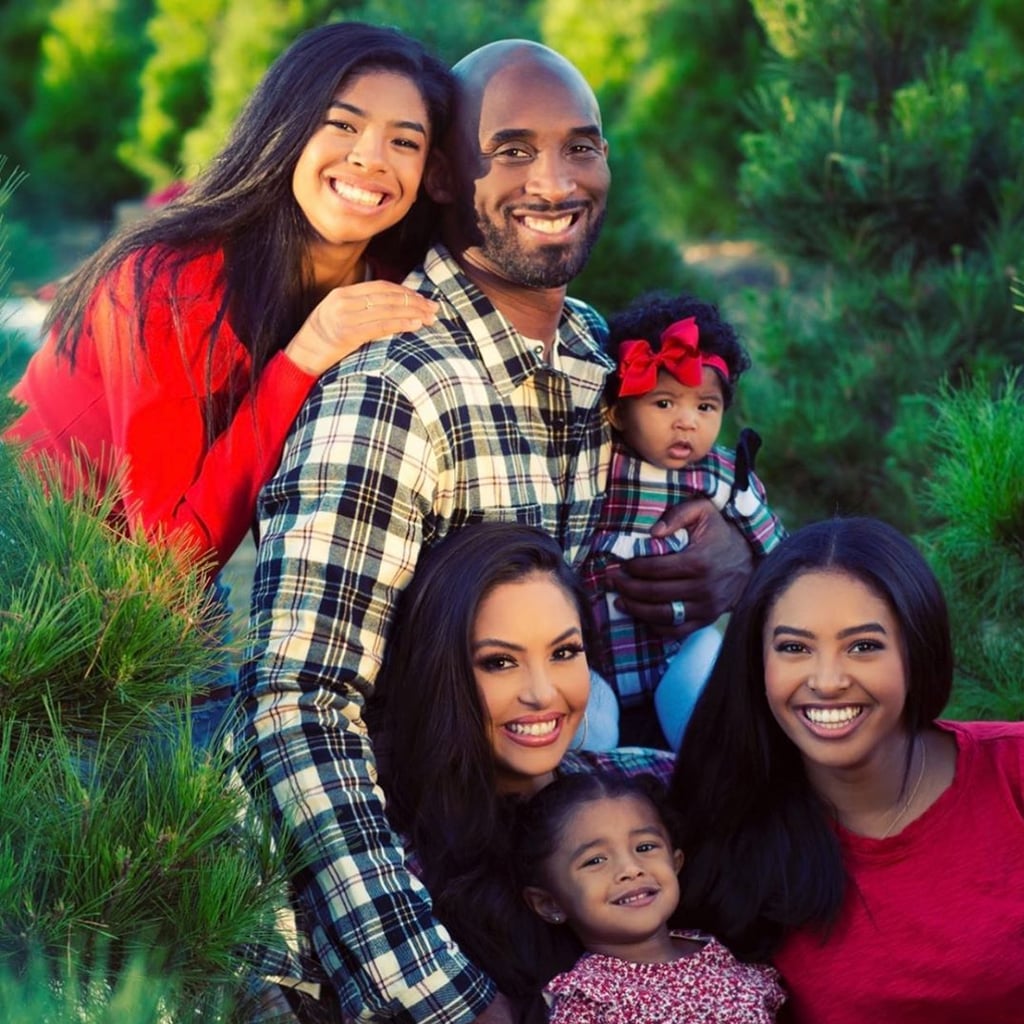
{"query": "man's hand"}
(707, 576)
(499, 1012)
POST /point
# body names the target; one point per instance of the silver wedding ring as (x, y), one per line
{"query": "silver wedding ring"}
(678, 613)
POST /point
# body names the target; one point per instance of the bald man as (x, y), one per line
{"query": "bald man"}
(492, 412)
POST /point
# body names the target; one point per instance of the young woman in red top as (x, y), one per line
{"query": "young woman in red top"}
(832, 821)
(179, 354)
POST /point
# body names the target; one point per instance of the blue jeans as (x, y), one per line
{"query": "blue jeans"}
(681, 684)
(683, 681)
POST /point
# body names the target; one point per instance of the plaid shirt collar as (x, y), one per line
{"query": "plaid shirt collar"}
(505, 353)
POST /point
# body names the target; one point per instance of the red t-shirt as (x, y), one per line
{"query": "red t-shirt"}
(932, 930)
(143, 413)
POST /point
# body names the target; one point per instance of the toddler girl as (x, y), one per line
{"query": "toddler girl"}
(597, 855)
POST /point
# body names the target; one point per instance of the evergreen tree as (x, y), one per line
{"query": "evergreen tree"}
(85, 97)
(134, 873)
(127, 857)
(632, 256)
(887, 166)
(974, 501)
(252, 34)
(21, 32)
(450, 28)
(639, 66)
(670, 78)
(14, 353)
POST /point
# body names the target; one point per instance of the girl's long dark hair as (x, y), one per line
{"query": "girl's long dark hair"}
(243, 202)
(762, 855)
(435, 759)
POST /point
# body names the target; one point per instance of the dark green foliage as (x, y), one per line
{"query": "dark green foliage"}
(101, 627)
(450, 28)
(122, 848)
(633, 255)
(682, 112)
(14, 353)
(888, 166)
(1009, 16)
(250, 35)
(134, 869)
(883, 43)
(839, 363)
(115, 854)
(174, 86)
(828, 181)
(21, 30)
(8, 185)
(35, 996)
(975, 499)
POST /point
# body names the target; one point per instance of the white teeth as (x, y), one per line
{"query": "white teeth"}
(548, 227)
(533, 728)
(832, 717)
(634, 897)
(358, 195)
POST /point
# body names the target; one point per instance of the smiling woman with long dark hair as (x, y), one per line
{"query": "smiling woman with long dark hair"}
(478, 705)
(830, 820)
(179, 354)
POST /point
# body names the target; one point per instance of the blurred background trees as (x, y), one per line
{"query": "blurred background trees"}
(84, 99)
(885, 165)
(870, 153)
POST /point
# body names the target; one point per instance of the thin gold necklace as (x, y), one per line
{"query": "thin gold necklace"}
(902, 813)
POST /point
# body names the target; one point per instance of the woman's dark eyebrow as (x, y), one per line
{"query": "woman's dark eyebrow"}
(488, 641)
(778, 630)
(867, 627)
(413, 126)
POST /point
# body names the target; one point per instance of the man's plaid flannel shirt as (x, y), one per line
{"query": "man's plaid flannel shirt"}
(402, 442)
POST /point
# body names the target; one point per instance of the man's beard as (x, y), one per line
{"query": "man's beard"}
(547, 266)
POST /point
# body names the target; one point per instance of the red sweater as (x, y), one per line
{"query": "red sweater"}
(144, 413)
(932, 931)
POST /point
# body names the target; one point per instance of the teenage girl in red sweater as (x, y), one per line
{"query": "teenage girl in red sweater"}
(179, 354)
